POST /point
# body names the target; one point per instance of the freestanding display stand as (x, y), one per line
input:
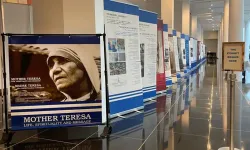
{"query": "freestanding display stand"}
(233, 60)
(88, 113)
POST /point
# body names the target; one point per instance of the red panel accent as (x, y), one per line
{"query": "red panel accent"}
(160, 80)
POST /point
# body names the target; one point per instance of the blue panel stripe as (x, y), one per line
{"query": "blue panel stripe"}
(149, 17)
(149, 107)
(183, 36)
(169, 82)
(53, 39)
(150, 94)
(126, 104)
(165, 27)
(125, 93)
(121, 7)
(17, 122)
(174, 33)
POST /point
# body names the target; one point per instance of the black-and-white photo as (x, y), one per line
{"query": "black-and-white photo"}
(117, 56)
(121, 45)
(166, 55)
(192, 52)
(117, 68)
(113, 57)
(66, 72)
(122, 57)
(142, 52)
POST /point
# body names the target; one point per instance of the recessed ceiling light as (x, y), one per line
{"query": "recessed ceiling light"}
(212, 5)
(209, 8)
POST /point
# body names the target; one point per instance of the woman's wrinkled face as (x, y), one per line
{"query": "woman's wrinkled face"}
(65, 73)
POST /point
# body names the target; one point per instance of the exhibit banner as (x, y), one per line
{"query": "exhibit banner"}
(148, 47)
(160, 80)
(198, 52)
(183, 50)
(172, 54)
(179, 46)
(55, 81)
(195, 52)
(191, 45)
(175, 48)
(123, 57)
(187, 51)
(167, 56)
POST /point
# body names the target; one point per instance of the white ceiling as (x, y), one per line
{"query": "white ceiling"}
(209, 12)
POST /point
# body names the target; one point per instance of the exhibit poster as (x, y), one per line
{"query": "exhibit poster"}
(123, 57)
(172, 54)
(176, 54)
(183, 50)
(187, 51)
(55, 81)
(180, 53)
(160, 80)
(198, 51)
(148, 47)
(195, 52)
(167, 56)
(191, 52)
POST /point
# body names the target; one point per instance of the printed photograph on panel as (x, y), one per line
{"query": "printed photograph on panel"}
(160, 67)
(117, 56)
(54, 73)
(142, 51)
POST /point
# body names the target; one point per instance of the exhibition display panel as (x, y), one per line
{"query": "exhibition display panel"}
(160, 79)
(54, 80)
(183, 50)
(187, 51)
(123, 57)
(148, 52)
(167, 56)
(175, 50)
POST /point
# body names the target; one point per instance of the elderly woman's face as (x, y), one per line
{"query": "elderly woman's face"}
(64, 73)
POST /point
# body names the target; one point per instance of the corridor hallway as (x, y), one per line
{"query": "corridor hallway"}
(193, 115)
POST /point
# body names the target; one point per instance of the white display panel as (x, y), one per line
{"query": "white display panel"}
(167, 55)
(191, 52)
(176, 55)
(148, 46)
(123, 56)
(183, 49)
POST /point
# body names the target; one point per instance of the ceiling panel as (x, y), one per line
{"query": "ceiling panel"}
(209, 12)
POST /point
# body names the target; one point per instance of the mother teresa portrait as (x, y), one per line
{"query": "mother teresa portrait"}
(75, 73)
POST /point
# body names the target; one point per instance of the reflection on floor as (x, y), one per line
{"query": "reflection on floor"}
(193, 115)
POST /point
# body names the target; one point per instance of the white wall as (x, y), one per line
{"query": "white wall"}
(178, 15)
(17, 21)
(150, 5)
(211, 44)
(210, 35)
(48, 16)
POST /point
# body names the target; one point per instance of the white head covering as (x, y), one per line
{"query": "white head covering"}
(82, 58)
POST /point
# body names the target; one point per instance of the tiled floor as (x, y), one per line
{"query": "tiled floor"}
(195, 116)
